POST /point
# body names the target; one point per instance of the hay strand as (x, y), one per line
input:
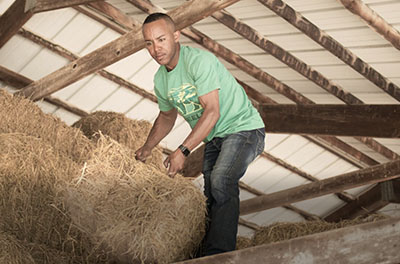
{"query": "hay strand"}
(135, 211)
(129, 132)
(18, 114)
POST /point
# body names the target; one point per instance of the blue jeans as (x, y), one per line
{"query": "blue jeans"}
(225, 162)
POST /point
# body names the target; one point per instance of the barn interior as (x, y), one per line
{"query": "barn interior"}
(324, 75)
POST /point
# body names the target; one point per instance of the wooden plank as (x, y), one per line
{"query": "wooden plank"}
(330, 44)
(14, 18)
(375, 21)
(184, 15)
(376, 242)
(47, 5)
(342, 120)
(366, 203)
(371, 175)
(115, 14)
(284, 56)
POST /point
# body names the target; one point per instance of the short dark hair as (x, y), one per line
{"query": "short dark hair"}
(157, 16)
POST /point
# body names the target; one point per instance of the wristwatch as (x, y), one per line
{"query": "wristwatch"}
(184, 150)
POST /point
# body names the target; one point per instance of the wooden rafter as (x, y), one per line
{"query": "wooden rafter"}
(339, 120)
(284, 56)
(371, 175)
(47, 5)
(369, 201)
(115, 15)
(14, 18)
(374, 242)
(22, 10)
(333, 46)
(365, 203)
(375, 21)
(304, 214)
(184, 15)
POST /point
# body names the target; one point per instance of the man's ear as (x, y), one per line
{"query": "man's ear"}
(177, 35)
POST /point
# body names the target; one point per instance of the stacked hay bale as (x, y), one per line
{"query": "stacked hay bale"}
(134, 210)
(53, 180)
(285, 231)
(243, 242)
(131, 133)
(18, 114)
(38, 153)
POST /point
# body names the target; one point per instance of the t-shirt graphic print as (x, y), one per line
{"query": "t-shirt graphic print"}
(186, 101)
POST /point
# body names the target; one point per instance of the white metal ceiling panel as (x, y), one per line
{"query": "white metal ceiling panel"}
(44, 63)
(25, 49)
(50, 23)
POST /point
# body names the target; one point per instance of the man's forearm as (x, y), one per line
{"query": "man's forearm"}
(201, 130)
(162, 126)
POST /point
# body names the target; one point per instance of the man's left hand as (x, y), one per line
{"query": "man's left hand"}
(174, 162)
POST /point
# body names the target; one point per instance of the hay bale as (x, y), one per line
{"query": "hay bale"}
(31, 173)
(135, 211)
(12, 251)
(285, 231)
(129, 132)
(243, 242)
(18, 114)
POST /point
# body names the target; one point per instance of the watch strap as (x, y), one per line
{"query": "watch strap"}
(184, 150)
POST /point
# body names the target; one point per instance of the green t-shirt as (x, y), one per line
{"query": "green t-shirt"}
(197, 73)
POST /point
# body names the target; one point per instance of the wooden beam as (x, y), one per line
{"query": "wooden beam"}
(367, 203)
(14, 18)
(341, 120)
(184, 15)
(115, 15)
(284, 56)
(248, 224)
(304, 214)
(99, 17)
(330, 44)
(371, 175)
(376, 242)
(375, 21)
(47, 5)
(381, 149)
(13, 79)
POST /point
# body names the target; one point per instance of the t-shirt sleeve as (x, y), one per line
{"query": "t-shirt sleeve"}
(204, 69)
(161, 93)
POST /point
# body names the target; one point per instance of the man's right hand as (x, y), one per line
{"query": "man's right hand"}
(143, 153)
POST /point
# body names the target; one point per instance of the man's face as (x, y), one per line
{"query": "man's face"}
(162, 42)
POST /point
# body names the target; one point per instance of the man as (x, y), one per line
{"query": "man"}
(194, 83)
